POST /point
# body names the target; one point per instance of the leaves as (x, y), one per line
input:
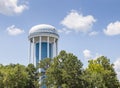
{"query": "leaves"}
(100, 73)
(18, 76)
(65, 70)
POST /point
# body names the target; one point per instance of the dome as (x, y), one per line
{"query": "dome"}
(42, 29)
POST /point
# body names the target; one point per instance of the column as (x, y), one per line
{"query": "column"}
(48, 47)
(33, 46)
(54, 48)
(40, 48)
(30, 52)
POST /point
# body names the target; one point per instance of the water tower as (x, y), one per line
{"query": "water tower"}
(43, 41)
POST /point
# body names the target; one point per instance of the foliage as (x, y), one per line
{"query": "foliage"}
(33, 75)
(13, 76)
(64, 71)
(100, 73)
(17, 76)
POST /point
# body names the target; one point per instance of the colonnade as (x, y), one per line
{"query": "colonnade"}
(32, 48)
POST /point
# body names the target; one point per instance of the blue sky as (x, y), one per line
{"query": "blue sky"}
(87, 28)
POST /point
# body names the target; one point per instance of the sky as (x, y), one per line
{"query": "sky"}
(87, 28)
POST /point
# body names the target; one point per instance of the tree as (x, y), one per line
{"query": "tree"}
(13, 76)
(100, 73)
(65, 71)
(33, 76)
(19, 76)
(1, 76)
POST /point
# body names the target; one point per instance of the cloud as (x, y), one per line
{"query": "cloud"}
(113, 29)
(117, 67)
(78, 22)
(93, 33)
(64, 30)
(11, 7)
(87, 54)
(12, 30)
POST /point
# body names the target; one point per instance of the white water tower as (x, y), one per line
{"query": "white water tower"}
(43, 40)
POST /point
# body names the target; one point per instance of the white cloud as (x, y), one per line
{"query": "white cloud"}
(78, 22)
(10, 7)
(12, 30)
(113, 29)
(87, 54)
(93, 33)
(64, 30)
(117, 67)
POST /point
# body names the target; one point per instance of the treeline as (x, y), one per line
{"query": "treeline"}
(18, 76)
(66, 71)
(63, 71)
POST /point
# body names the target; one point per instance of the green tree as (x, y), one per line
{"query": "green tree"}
(19, 76)
(14, 76)
(65, 71)
(1, 76)
(33, 76)
(100, 73)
